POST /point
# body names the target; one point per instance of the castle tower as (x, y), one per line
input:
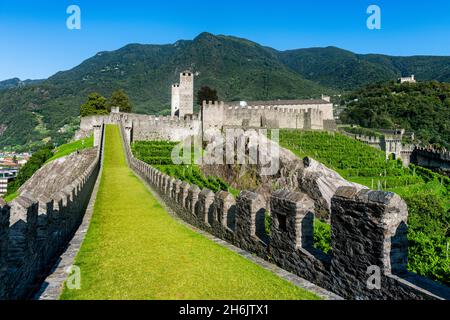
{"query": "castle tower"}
(175, 99)
(183, 95)
(186, 93)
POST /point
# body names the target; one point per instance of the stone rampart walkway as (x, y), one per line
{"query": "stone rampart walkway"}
(135, 250)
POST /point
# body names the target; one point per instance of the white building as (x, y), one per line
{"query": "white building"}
(410, 79)
(5, 177)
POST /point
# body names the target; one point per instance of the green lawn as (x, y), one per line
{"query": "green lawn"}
(71, 147)
(135, 250)
(11, 196)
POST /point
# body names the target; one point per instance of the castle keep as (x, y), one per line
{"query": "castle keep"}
(183, 95)
(308, 114)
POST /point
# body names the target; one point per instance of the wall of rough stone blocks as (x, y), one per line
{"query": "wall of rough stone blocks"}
(33, 233)
(430, 158)
(186, 93)
(165, 128)
(368, 231)
(392, 145)
(146, 127)
(218, 115)
(330, 125)
(214, 115)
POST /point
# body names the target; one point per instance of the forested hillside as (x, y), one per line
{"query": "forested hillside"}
(16, 83)
(344, 70)
(33, 113)
(422, 107)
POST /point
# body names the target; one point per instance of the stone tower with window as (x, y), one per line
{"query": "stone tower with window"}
(175, 99)
(183, 95)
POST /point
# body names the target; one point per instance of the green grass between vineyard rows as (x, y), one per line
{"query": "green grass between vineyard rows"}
(135, 250)
(363, 164)
(158, 154)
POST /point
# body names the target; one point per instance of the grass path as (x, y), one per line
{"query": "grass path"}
(135, 250)
(71, 147)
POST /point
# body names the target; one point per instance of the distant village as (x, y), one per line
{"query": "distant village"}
(13, 159)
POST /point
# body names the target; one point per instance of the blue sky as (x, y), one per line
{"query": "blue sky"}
(35, 43)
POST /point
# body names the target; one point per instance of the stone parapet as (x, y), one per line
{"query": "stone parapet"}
(36, 226)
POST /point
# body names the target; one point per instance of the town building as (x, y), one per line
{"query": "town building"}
(6, 176)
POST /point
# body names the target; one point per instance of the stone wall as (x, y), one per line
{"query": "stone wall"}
(146, 127)
(165, 128)
(391, 144)
(214, 116)
(36, 227)
(431, 159)
(372, 141)
(368, 231)
(219, 115)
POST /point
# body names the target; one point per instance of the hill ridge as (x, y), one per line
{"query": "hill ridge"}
(238, 68)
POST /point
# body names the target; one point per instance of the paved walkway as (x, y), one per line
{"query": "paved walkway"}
(135, 250)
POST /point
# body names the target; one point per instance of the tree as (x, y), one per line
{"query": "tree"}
(96, 104)
(120, 99)
(206, 94)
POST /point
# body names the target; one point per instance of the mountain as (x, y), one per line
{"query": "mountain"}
(16, 83)
(238, 68)
(344, 70)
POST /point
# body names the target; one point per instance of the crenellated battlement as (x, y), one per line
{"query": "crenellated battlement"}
(441, 154)
(392, 144)
(36, 226)
(430, 158)
(165, 128)
(219, 115)
(146, 127)
(369, 231)
(296, 114)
